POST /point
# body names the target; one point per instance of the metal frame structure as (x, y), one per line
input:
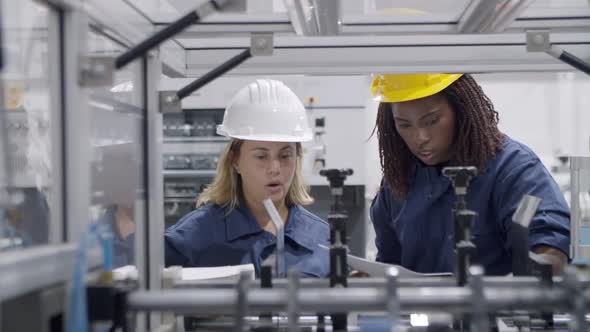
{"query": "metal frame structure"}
(337, 54)
(32, 269)
(580, 236)
(76, 126)
(57, 221)
(478, 298)
(155, 185)
(358, 55)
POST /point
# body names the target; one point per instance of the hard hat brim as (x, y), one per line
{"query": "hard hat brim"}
(305, 137)
(401, 95)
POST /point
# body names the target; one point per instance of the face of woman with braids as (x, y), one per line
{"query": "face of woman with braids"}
(427, 126)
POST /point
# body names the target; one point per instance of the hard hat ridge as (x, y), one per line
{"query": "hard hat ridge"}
(266, 110)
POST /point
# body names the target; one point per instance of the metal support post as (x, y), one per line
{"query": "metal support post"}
(260, 44)
(76, 127)
(293, 302)
(213, 74)
(538, 41)
(577, 300)
(266, 282)
(337, 220)
(182, 23)
(580, 227)
(481, 321)
(338, 249)
(393, 307)
(242, 301)
(464, 219)
(1, 45)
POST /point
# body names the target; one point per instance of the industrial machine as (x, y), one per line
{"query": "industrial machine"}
(88, 74)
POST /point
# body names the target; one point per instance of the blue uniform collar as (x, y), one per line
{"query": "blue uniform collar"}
(241, 222)
(301, 229)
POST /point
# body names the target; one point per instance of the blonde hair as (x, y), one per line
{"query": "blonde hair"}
(226, 188)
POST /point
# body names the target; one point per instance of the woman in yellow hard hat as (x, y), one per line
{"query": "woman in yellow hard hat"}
(428, 121)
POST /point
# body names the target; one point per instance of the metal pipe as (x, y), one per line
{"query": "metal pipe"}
(168, 32)
(241, 303)
(213, 74)
(480, 318)
(447, 299)
(1, 47)
(569, 58)
(292, 304)
(489, 282)
(393, 307)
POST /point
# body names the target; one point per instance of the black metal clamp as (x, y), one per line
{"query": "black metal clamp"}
(260, 44)
(337, 219)
(99, 70)
(463, 219)
(538, 41)
(168, 32)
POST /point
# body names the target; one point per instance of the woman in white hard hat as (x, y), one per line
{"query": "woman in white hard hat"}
(267, 123)
(428, 121)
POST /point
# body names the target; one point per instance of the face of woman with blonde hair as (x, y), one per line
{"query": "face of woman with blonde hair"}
(266, 169)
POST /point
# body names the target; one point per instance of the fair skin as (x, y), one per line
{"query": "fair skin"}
(427, 126)
(124, 221)
(267, 170)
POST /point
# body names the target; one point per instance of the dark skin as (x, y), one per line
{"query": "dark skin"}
(427, 126)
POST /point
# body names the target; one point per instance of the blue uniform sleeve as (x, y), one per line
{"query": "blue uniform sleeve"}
(386, 240)
(182, 240)
(173, 256)
(551, 224)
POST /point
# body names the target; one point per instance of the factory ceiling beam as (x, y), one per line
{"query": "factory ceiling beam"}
(489, 16)
(358, 55)
(327, 16)
(314, 17)
(301, 17)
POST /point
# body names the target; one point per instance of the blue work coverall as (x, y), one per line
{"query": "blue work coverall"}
(417, 232)
(214, 236)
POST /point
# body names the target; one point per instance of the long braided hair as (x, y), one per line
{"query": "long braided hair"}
(477, 138)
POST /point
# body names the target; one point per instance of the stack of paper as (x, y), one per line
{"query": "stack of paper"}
(230, 272)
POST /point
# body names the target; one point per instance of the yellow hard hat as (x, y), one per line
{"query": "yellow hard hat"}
(393, 88)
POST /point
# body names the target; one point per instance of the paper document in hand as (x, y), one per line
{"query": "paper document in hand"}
(378, 269)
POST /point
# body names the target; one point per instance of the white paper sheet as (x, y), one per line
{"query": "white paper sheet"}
(231, 272)
(378, 269)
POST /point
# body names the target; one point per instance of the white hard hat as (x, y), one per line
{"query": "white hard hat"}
(266, 110)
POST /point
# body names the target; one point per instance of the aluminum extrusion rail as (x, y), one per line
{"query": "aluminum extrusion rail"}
(448, 299)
